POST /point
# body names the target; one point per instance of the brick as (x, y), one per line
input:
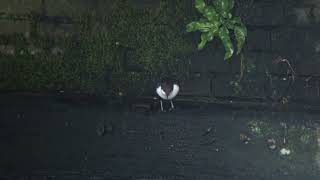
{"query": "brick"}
(215, 58)
(303, 13)
(103, 8)
(299, 89)
(308, 69)
(253, 86)
(196, 87)
(301, 3)
(312, 87)
(222, 85)
(235, 64)
(279, 86)
(210, 59)
(298, 15)
(145, 3)
(259, 39)
(316, 14)
(9, 27)
(20, 6)
(259, 60)
(287, 39)
(265, 14)
(250, 87)
(198, 64)
(297, 44)
(55, 31)
(70, 8)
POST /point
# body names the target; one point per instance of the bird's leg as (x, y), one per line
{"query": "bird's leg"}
(172, 106)
(161, 105)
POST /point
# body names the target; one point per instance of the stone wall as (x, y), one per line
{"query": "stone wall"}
(275, 28)
(289, 29)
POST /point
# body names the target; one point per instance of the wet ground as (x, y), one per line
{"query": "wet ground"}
(47, 138)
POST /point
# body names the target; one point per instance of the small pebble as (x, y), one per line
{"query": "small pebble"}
(101, 129)
(272, 147)
(285, 152)
(272, 144)
(244, 138)
(273, 141)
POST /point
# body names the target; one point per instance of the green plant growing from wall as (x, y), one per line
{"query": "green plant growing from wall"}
(217, 21)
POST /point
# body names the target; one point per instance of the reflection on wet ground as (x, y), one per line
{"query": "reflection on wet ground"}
(45, 138)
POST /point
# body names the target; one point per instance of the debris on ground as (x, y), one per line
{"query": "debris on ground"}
(285, 152)
(272, 144)
(141, 107)
(103, 129)
(207, 131)
(244, 138)
(209, 135)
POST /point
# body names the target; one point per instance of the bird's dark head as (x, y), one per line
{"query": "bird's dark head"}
(167, 87)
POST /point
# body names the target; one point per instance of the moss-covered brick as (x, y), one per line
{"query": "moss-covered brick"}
(10, 27)
(20, 6)
(70, 8)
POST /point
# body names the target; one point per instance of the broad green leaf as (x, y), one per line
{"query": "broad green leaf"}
(201, 44)
(200, 5)
(224, 7)
(229, 25)
(211, 14)
(236, 21)
(205, 37)
(224, 36)
(214, 30)
(217, 21)
(199, 25)
(240, 33)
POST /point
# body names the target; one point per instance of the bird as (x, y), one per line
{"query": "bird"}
(167, 90)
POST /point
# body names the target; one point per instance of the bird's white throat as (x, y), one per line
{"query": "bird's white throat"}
(171, 95)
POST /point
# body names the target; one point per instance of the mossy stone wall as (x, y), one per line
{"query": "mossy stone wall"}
(289, 29)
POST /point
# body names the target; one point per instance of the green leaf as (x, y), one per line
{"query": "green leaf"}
(240, 33)
(206, 37)
(217, 21)
(202, 26)
(229, 25)
(211, 14)
(202, 44)
(236, 21)
(200, 5)
(224, 36)
(224, 7)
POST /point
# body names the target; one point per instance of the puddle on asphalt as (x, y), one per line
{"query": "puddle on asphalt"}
(196, 143)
